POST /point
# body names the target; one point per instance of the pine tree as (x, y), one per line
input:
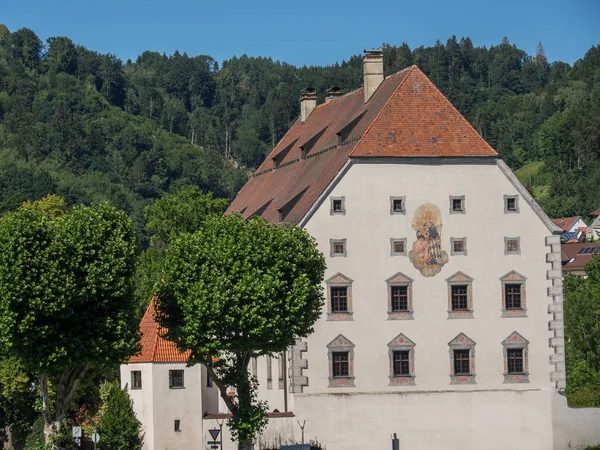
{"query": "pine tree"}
(540, 56)
(118, 428)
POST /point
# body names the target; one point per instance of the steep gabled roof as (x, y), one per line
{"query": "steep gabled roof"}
(155, 349)
(407, 116)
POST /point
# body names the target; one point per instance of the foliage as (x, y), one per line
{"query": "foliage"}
(183, 211)
(238, 289)
(17, 399)
(66, 302)
(582, 336)
(35, 439)
(118, 425)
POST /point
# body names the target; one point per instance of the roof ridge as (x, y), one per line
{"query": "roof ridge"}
(411, 68)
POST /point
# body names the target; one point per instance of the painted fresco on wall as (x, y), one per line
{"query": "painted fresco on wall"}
(427, 254)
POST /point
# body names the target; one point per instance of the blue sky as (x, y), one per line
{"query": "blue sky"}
(309, 32)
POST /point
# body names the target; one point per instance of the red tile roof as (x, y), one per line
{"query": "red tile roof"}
(565, 222)
(570, 252)
(155, 349)
(595, 213)
(407, 116)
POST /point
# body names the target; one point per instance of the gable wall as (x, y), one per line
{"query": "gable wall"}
(368, 226)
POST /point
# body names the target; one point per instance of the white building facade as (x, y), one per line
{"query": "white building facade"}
(443, 321)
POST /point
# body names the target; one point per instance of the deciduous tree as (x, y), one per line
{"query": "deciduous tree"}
(66, 301)
(235, 290)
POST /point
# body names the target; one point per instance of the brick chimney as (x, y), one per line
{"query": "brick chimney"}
(308, 102)
(333, 93)
(373, 71)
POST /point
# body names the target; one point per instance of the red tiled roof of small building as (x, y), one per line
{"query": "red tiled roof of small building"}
(595, 213)
(407, 116)
(565, 222)
(155, 349)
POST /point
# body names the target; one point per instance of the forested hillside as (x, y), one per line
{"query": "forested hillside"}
(88, 126)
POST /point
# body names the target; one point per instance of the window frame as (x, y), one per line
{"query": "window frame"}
(400, 280)
(512, 252)
(460, 279)
(402, 344)
(513, 278)
(134, 384)
(341, 345)
(515, 342)
(462, 342)
(339, 281)
(333, 243)
(462, 252)
(177, 426)
(511, 211)
(172, 378)
(333, 211)
(463, 204)
(394, 199)
(393, 241)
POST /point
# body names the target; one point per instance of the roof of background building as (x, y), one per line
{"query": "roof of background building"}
(407, 116)
(155, 349)
(565, 222)
(572, 257)
(595, 213)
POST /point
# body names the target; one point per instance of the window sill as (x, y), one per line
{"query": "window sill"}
(136, 389)
(406, 380)
(176, 387)
(339, 316)
(460, 315)
(400, 315)
(462, 379)
(508, 313)
(516, 378)
(341, 382)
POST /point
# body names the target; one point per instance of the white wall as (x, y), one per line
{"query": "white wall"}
(582, 427)
(183, 404)
(142, 399)
(368, 227)
(489, 420)
(433, 413)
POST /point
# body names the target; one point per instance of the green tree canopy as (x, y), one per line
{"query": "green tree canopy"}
(238, 289)
(66, 301)
(118, 427)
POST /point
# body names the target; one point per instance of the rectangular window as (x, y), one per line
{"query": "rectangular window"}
(398, 205)
(338, 247)
(459, 298)
(459, 246)
(209, 382)
(340, 364)
(339, 298)
(136, 379)
(462, 362)
(401, 363)
(457, 204)
(515, 360)
(512, 245)
(511, 204)
(177, 425)
(176, 379)
(337, 205)
(399, 298)
(512, 296)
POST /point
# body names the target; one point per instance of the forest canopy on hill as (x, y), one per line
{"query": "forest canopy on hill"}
(88, 126)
